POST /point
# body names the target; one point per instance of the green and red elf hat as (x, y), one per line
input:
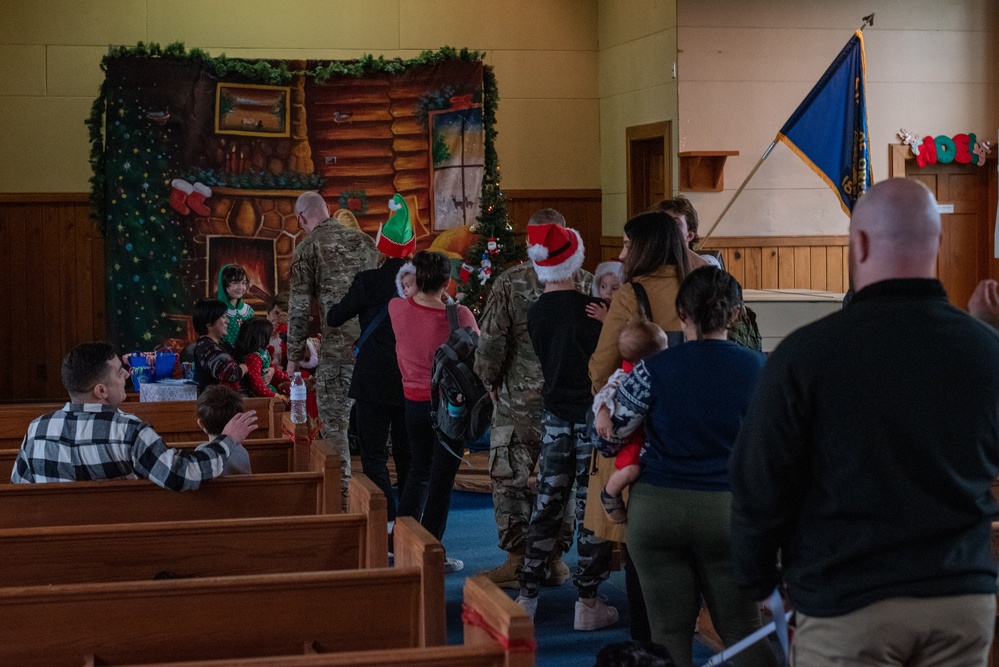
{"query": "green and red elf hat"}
(395, 237)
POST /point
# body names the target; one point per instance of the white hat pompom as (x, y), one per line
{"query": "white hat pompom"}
(537, 252)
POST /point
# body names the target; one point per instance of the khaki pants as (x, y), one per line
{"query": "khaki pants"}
(951, 631)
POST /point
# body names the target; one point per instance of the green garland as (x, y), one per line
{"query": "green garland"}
(270, 72)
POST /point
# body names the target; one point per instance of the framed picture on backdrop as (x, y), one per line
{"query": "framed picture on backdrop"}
(252, 110)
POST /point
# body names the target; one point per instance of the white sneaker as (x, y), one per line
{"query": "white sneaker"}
(530, 605)
(452, 565)
(600, 615)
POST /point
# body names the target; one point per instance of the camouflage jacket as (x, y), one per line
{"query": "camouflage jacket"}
(324, 266)
(505, 354)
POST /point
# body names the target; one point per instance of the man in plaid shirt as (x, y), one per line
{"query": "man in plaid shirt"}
(90, 439)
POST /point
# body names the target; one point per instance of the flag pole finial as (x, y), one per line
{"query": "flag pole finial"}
(868, 20)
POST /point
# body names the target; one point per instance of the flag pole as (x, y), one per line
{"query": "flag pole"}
(738, 192)
(867, 20)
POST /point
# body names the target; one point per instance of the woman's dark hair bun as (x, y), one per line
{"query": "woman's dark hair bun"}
(433, 269)
(709, 297)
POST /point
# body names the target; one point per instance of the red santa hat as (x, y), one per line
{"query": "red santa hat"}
(557, 252)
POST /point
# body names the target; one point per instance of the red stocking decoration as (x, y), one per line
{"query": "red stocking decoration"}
(196, 199)
(178, 196)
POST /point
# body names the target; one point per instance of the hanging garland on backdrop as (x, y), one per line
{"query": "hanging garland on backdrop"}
(145, 259)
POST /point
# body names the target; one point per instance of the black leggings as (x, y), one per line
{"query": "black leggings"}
(427, 494)
(374, 420)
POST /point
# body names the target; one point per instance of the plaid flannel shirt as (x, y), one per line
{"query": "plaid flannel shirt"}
(90, 441)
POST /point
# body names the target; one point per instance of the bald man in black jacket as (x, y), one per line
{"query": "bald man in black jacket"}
(867, 458)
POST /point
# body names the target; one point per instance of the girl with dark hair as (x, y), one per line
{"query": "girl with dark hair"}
(692, 399)
(214, 362)
(420, 325)
(251, 351)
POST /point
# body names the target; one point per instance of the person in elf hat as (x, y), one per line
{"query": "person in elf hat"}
(324, 265)
(564, 337)
(376, 385)
(233, 284)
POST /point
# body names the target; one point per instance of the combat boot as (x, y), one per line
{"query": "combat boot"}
(505, 575)
(559, 571)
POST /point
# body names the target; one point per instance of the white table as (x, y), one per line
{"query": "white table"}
(157, 391)
(781, 311)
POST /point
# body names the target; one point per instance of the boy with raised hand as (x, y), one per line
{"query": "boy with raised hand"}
(216, 406)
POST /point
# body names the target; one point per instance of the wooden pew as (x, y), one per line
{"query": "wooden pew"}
(267, 455)
(175, 421)
(497, 634)
(231, 617)
(76, 553)
(183, 549)
(204, 547)
(137, 501)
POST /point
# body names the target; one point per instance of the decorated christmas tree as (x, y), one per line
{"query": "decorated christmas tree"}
(145, 251)
(497, 247)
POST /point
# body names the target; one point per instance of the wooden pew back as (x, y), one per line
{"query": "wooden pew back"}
(174, 420)
(218, 617)
(182, 549)
(226, 617)
(139, 501)
(267, 455)
(508, 641)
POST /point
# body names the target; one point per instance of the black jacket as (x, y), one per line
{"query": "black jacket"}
(376, 377)
(868, 455)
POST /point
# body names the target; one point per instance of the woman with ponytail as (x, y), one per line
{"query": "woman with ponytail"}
(691, 399)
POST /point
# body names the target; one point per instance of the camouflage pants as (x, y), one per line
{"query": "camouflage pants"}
(514, 447)
(565, 457)
(332, 383)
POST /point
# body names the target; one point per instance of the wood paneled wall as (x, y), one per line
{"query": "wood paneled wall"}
(581, 209)
(52, 275)
(776, 262)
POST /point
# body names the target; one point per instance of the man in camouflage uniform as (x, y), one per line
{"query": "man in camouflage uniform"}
(506, 362)
(323, 267)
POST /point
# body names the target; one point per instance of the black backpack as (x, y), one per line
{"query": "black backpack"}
(460, 407)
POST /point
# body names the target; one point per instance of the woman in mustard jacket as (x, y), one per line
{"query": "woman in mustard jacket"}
(655, 256)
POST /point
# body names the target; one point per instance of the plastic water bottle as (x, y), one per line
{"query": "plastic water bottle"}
(298, 414)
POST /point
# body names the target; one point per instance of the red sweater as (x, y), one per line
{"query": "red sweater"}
(419, 331)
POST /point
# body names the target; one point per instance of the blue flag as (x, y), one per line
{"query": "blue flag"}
(829, 129)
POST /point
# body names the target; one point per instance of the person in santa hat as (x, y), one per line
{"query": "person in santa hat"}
(564, 337)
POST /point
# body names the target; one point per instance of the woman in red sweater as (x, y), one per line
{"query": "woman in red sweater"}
(420, 326)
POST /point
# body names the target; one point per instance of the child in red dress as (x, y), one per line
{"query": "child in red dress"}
(251, 349)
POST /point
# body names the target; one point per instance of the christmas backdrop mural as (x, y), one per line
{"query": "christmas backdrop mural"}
(198, 162)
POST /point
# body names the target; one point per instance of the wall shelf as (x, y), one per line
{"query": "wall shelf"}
(703, 171)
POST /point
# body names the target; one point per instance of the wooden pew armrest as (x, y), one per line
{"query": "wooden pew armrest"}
(491, 617)
(416, 547)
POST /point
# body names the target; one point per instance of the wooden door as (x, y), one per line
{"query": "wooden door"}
(649, 175)
(968, 232)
